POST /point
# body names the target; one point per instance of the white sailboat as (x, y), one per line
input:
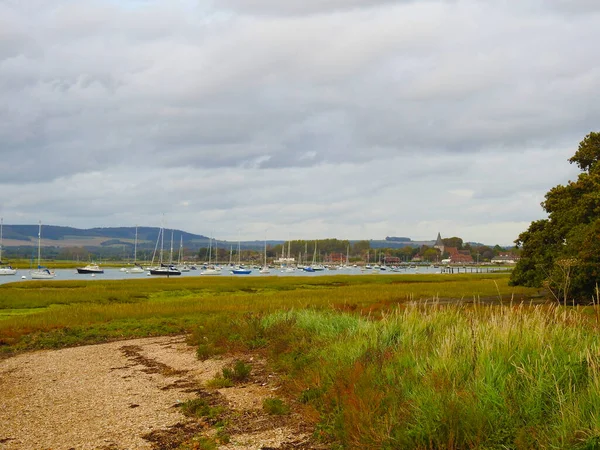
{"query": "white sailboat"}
(136, 267)
(210, 268)
(180, 264)
(42, 273)
(240, 270)
(288, 267)
(265, 267)
(5, 269)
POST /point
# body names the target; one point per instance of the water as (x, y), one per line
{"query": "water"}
(117, 274)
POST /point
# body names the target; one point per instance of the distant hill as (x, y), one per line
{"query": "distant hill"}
(20, 238)
(68, 236)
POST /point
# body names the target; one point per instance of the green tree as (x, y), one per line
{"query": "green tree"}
(430, 254)
(455, 242)
(562, 252)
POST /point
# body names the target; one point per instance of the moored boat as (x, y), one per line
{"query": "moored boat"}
(165, 269)
(42, 273)
(7, 269)
(90, 268)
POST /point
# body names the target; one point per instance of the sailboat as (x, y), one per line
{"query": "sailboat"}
(5, 269)
(136, 267)
(288, 267)
(265, 267)
(240, 270)
(42, 273)
(165, 269)
(210, 268)
(180, 264)
(314, 267)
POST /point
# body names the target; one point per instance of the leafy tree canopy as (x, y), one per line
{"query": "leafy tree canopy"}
(453, 242)
(562, 252)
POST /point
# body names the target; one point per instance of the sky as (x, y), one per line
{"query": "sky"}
(296, 119)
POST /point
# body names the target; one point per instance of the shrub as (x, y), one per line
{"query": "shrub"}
(238, 373)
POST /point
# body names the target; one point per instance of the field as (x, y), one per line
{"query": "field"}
(429, 362)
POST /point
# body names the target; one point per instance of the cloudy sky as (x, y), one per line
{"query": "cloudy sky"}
(302, 119)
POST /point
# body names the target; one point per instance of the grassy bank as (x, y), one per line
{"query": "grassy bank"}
(383, 361)
(435, 376)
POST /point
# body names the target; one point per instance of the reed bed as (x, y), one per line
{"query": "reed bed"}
(437, 376)
(73, 307)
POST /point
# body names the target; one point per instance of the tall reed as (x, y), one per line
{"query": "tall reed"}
(432, 377)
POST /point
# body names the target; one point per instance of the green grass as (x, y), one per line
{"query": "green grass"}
(275, 407)
(60, 313)
(383, 361)
(432, 377)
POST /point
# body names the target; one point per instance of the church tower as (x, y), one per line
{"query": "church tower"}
(439, 244)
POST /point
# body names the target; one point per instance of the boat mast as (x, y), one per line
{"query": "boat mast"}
(180, 249)
(209, 251)
(171, 250)
(265, 251)
(39, 242)
(135, 247)
(162, 241)
(216, 252)
(1, 224)
(239, 251)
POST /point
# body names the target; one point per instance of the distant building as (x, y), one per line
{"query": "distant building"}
(505, 258)
(459, 256)
(392, 260)
(284, 261)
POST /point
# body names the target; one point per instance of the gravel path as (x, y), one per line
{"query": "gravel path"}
(110, 396)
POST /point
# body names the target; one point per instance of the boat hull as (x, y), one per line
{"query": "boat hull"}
(42, 275)
(165, 271)
(84, 270)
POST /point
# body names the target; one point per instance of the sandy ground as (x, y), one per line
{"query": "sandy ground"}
(125, 395)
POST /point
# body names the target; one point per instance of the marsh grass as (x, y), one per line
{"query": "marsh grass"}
(61, 313)
(275, 406)
(440, 376)
(425, 362)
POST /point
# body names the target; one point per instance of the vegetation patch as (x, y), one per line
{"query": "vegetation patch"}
(443, 376)
(275, 406)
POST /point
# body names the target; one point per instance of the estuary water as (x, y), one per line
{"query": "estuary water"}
(117, 274)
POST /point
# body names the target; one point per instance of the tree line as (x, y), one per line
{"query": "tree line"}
(562, 252)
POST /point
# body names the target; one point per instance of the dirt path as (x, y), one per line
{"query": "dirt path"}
(125, 395)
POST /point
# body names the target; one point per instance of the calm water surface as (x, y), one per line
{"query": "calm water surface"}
(116, 274)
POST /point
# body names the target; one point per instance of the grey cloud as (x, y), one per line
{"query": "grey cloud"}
(575, 6)
(406, 91)
(274, 7)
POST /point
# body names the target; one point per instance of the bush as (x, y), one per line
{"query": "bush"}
(238, 373)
